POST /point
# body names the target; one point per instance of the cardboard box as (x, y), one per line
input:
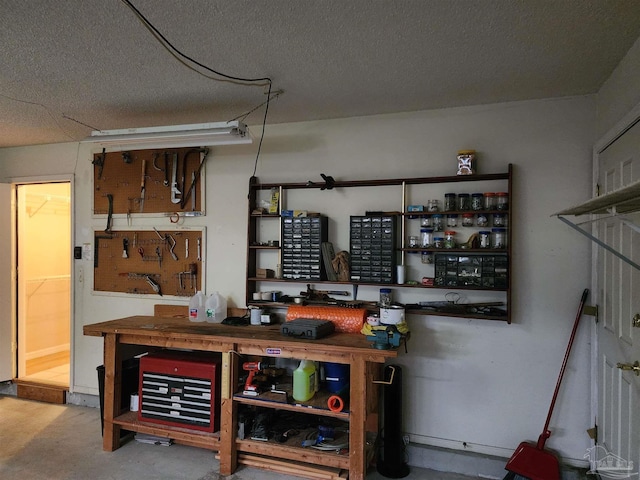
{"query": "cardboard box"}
(265, 273)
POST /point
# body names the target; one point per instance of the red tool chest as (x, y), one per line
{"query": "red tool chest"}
(180, 389)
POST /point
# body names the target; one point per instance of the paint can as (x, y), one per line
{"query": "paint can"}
(392, 315)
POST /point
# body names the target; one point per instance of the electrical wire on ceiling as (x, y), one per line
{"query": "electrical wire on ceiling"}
(191, 63)
(47, 109)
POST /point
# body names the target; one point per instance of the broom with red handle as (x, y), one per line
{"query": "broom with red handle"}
(531, 461)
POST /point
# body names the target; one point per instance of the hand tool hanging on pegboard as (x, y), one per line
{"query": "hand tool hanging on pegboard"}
(194, 177)
(175, 191)
(143, 183)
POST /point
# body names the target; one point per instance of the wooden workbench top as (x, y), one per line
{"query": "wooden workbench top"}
(259, 336)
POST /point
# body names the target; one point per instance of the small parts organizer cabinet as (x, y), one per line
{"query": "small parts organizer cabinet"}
(382, 232)
(144, 333)
(302, 247)
(373, 248)
(180, 390)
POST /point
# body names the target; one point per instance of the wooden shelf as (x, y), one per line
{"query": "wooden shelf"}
(315, 406)
(488, 251)
(185, 436)
(404, 254)
(293, 451)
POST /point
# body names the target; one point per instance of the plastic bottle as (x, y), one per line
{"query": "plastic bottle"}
(215, 308)
(304, 381)
(196, 308)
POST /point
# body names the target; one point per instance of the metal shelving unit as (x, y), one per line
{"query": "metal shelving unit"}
(616, 204)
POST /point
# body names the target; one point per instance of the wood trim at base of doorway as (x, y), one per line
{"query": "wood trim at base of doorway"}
(40, 392)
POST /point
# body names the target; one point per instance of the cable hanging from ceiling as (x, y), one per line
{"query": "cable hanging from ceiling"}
(189, 62)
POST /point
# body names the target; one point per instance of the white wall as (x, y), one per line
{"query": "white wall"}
(485, 383)
(620, 93)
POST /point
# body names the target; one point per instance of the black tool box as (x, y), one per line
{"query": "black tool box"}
(308, 328)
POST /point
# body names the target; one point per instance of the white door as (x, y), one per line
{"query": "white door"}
(618, 340)
(7, 353)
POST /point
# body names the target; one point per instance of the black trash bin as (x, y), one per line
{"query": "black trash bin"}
(130, 378)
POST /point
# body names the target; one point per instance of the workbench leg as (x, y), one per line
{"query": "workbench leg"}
(228, 411)
(112, 389)
(357, 419)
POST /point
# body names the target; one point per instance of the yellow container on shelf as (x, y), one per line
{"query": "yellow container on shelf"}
(304, 381)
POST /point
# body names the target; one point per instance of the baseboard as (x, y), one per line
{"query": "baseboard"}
(83, 400)
(42, 393)
(44, 352)
(470, 463)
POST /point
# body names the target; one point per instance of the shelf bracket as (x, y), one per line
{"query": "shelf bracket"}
(601, 243)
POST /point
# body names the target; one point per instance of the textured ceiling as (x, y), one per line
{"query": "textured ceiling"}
(93, 61)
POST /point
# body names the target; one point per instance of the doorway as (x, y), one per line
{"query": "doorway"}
(43, 257)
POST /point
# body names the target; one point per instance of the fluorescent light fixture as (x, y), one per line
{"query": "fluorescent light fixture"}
(193, 135)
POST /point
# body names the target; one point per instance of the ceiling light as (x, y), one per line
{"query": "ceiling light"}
(194, 135)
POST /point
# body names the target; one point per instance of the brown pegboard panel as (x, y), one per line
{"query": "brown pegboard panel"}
(121, 176)
(179, 276)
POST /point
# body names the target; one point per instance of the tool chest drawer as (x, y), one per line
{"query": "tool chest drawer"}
(180, 390)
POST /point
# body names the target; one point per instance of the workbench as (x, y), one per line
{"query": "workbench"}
(153, 332)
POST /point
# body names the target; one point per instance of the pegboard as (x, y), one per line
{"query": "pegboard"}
(160, 181)
(131, 261)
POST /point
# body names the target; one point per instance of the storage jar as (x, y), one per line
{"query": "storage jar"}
(437, 222)
(499, 220)
(485, 239)
(464, 202)
(426, 235)
(489, 201)
(449, 239)
(499, 237)
(449, 202)
(477, 201)
(385, 297)
(502, 201)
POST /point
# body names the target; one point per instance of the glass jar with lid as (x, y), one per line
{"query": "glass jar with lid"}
(437, 222)
(489, 201)
(482, 220)
(433, 205)
(477, 201)
(452, 220)
(425, 221)
(499, 239)
(438, 242)
(426, 257)
(485, 239)
(449, 202)
(499, 219)
(467, 219)
(426, 237)
(385, 297)
(464, 202)
(502, 201)
(450, 239)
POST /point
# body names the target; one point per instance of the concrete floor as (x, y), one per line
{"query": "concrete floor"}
(43, 441)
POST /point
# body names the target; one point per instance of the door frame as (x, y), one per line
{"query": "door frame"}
(8, 321)
(15, 181)
(619, 129)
